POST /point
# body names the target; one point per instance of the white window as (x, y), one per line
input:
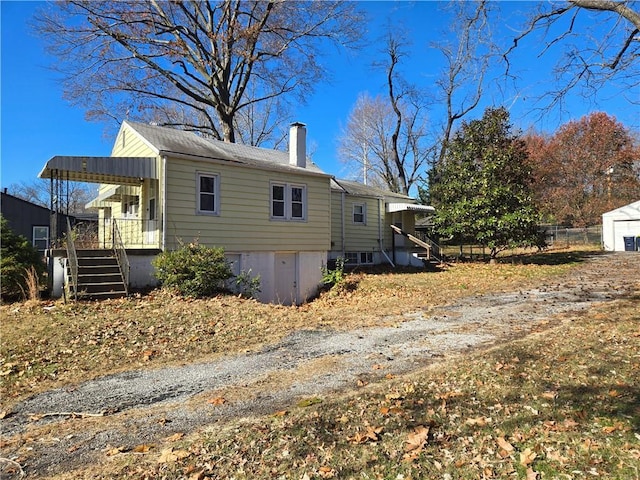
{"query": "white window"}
(130, 208)
(359, 258)
(360, 213)
(208, 193)
(288, 202)
(41, 238)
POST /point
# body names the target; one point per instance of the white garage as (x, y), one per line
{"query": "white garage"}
(621, 228)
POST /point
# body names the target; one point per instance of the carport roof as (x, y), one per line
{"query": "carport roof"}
(111, 170)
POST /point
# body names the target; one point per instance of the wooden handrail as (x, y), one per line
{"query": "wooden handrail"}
(415, 240)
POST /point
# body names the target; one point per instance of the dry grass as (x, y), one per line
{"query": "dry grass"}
(559, 404)
(50, 344)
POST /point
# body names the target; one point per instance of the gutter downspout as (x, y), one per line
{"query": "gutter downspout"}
(164, 204)
(380, 238)
(342, 234)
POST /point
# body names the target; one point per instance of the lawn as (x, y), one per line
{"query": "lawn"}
(563, 402)
(560, 404)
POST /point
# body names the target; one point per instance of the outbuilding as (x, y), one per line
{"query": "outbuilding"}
(621, 228)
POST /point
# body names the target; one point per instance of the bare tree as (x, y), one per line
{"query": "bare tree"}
(74, 195)
(190, 64)
(467, 51)
(385, 136)
(600, 42)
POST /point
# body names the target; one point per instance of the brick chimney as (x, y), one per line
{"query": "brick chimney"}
(298, 145)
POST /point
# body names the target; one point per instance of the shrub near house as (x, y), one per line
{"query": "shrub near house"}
(193, 270)
(19, 258)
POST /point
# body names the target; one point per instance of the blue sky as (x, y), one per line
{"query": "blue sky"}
(37, 123)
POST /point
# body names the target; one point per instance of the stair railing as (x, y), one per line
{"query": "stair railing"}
(121, 255)
(436, 250)
(72, 259)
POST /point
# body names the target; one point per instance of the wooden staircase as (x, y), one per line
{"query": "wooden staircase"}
(99, 276)
(428, 256)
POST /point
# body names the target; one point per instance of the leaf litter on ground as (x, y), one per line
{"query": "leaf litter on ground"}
(563, 403)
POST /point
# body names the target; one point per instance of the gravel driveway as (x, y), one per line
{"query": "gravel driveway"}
(143, 407)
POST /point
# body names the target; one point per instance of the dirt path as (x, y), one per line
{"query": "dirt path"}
(143, 407)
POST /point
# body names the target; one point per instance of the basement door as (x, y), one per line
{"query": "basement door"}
(286, 267)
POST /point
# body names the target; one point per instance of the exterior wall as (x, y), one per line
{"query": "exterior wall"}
(140, 273)
(362, 237)
(365, 238)
(22, 216)
(614, 232)
(620, 223)
(243, 222)
(337, 227)
(129, 144)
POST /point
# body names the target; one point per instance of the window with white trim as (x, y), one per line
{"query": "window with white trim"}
(41, 237)
(208, 194)
(359, 258)
(288, 202)
(359, 213)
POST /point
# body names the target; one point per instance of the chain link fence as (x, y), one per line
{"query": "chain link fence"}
(560, 235)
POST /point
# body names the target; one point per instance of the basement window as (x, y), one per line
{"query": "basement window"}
(359, 258)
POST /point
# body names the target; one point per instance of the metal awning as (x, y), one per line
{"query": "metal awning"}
(110, 170)
(113, 194)
(411, 207)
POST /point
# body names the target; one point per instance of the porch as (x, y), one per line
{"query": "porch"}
(128, 220)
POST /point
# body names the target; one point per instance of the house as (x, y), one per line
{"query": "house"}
(361, 220)
(26, 219)
(33, 221)
(621, 228)
(276, 214)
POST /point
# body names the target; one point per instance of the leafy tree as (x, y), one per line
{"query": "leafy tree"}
(193, 64)
(17, 257)
(588, 167)
(481, 188)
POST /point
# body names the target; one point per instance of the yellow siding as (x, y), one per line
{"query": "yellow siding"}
(406, 219)
(130, 144)
(243, 223)
(359, 237)
(336, 221)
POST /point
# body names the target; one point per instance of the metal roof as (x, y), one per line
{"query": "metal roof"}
(412, 207)
(111, 170)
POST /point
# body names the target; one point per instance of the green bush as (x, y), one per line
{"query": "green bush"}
(246, 285)
(332, 277)
(193, 270)
(17, 258)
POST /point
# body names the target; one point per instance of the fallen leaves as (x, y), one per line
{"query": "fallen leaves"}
(169, 455)
(415, 441)
(370, 434)
(307, 402)
(527, 456)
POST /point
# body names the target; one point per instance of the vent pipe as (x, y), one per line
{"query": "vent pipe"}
(298, 145)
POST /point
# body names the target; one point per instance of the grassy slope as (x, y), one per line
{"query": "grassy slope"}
(562, 403)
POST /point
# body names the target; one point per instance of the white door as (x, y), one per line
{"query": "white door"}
(286, 286)
(622, 229)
